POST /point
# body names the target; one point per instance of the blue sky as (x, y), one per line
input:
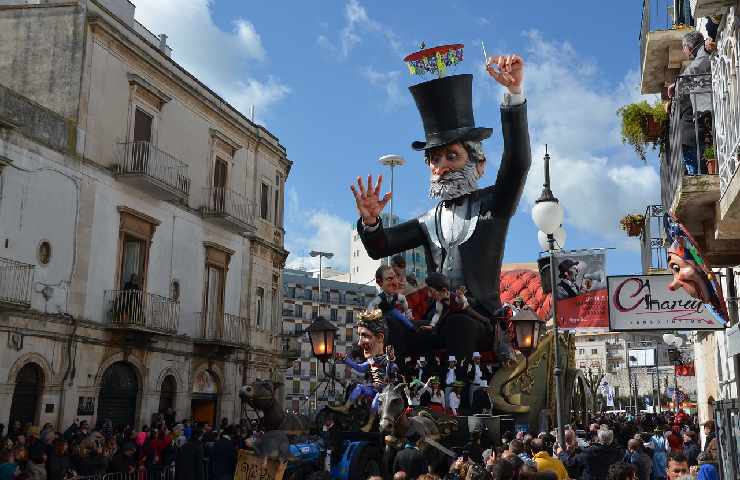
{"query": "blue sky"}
(327, 78)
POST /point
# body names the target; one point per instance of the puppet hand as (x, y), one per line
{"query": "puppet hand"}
(368, 199)
(508, 70)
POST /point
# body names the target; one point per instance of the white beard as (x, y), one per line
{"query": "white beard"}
(455, 184)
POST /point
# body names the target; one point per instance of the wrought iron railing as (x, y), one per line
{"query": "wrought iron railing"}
(725, 71)
(143, 158)
(219, 201)
(652, 240)
(659, 15)
(16, 279)
(136, 308)
(696, 89)
(222, 327)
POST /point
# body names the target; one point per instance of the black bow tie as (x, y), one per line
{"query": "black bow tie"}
(455, 201)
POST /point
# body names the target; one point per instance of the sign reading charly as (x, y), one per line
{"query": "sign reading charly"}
(644, 302)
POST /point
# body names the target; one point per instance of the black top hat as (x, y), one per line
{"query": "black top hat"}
(566, 265)
(446, 108)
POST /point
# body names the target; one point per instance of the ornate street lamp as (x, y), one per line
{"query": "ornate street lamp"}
(527, 327)
(321, 334)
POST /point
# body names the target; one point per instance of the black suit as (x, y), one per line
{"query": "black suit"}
(482, 253)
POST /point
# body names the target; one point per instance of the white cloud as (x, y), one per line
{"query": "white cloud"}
(358, 24)
(221, 59)
(573, 110)
(389, 82)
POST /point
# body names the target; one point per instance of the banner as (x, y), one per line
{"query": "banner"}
(581, 289)
(610, 397)
(252, 467)
(645, 302)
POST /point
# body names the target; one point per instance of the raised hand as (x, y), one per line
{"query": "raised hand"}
(369, 201)
(508, 70)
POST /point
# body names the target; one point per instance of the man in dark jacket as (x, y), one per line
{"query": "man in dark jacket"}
(691, 448)
(124, 461)
(636, 456)
(189, 460)
(597, 458)
(410, 459)
(570, 456)
(223, 457)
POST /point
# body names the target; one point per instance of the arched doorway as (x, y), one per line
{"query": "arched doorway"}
(29, 382)
(119, 393)
(204, 403)
(167, 394)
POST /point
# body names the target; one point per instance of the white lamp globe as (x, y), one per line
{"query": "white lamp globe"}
(669, 338)
(559, 236)
(547, 215)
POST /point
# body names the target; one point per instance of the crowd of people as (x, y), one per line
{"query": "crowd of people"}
(163, 450)
(614, 447)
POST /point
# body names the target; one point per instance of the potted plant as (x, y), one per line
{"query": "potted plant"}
(643, 125)
(710, 157)
(633, 224)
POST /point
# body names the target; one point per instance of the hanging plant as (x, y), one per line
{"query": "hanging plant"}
(633, 224)
(643, 125)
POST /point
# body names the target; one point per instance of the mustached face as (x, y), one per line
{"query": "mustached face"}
(453, 173)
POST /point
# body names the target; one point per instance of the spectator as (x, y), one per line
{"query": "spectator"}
(636, 456)
(90, 460)
(710, 429)
(622, 471)
(502, 470)
(410, 459)
(678, 466)
(691, 448)
(223, 456)
(660, 452)
(546, 463)
(516, 447)
(124, 461)
(189, 460)
(569, 456)
(597, 458)
(8, 468)
(36, 468)
(59, 465)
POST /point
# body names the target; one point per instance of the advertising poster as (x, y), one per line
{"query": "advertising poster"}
(650, 302)
(581, 289)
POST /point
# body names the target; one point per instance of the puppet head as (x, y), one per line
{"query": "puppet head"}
(371, 332)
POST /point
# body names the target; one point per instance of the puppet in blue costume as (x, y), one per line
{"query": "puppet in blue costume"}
(379, 363)
(690, 271)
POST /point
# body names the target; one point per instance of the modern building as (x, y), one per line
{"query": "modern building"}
(339, 302)
(141, 235)
(362, 268)
(707, 204)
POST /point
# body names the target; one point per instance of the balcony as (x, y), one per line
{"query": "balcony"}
(652, 242)
(16, 279)
(661, 53)
(705, 8)
(290, 346)
(143, 165)
(139, 310)
(222, 329)
(230, 209)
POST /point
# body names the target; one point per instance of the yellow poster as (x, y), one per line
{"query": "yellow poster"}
(251, 467)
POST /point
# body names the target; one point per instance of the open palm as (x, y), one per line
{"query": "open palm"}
(369, 200)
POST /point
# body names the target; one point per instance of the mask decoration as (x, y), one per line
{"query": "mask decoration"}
(690, 271)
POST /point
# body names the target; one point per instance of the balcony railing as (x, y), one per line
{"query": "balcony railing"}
(142, 310)
(16, 279)
(652, 241)
(698, 90)
(228, 205)
(725, 75)
(145, 159)
(222, 328)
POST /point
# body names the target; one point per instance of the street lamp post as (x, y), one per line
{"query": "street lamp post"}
(548, 216)
(327, 255)
(392, 161)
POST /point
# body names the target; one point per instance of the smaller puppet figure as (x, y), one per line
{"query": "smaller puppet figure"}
(437, 401)
(444, 302)
(690, 271)
(477, 373)
(390, 301)
(379, 363)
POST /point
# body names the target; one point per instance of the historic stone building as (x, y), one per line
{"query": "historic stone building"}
(141, 229)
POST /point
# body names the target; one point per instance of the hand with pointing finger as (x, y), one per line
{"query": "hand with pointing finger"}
(369, 200)
(508, 70)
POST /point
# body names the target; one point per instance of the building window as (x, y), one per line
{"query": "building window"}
(327, 296)
(314, 369)
(296, 387)
(217, 264)
(274, 308)
(264, 204)
(136, 233)
(307, 294)
(298, 309)
(44, 253)
(594, 351)
(314, 313)
(291, 292)
(581, 351)
(333, 314)
(260, 303)
(349, 316)
(143, 123)
(277, 201)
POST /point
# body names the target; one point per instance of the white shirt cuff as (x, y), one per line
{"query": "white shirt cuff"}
(370, 229)
(513, 99)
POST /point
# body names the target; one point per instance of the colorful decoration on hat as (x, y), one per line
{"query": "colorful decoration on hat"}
(434, 60)
(694, 272)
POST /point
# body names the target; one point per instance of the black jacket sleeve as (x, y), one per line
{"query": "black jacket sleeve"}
(384, 242)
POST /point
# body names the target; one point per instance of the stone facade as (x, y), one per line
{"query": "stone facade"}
(141, 236)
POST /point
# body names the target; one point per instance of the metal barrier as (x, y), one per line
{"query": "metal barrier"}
(222, 327)
(220, 201)
(16, 279)
(141, 309)
(166, 473)
(143, 158)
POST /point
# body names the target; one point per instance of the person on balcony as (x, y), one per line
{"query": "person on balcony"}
(693, 48)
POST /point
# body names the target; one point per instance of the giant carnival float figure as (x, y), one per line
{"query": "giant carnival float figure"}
(464, 234)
